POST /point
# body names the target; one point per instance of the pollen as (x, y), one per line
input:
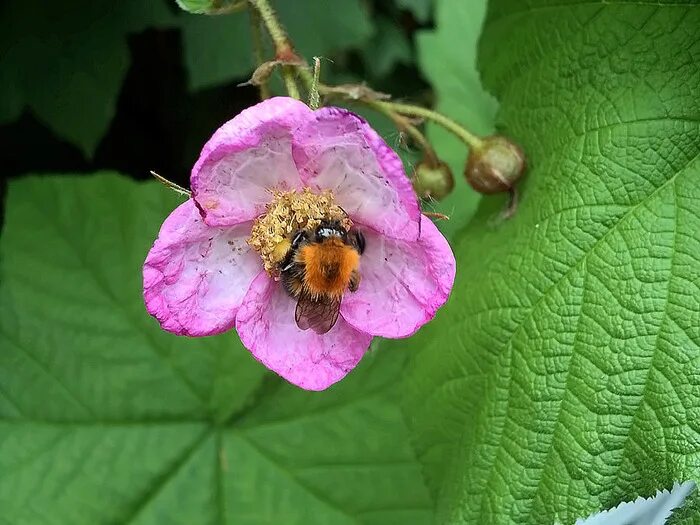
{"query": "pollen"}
(287, 213)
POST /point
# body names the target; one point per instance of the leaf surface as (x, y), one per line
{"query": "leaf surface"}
(562, 378)
(104, 418)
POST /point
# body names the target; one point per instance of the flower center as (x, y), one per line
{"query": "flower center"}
(288, 213)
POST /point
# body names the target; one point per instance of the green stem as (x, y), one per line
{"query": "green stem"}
(258, 49)
(307, 78)
(284, 51)
(416, 111)
(403, 124)
(283, 47)
(290, 83)
(279, 37)
(394, 108)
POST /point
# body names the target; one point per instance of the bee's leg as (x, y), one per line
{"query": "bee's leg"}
(354, 281)
(357, 240)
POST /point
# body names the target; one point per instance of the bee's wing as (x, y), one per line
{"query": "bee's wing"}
(319, 314)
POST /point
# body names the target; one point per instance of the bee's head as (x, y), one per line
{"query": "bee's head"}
(329, 228)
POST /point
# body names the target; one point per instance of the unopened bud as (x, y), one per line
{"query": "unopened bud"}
(496, 166)
(433, 181)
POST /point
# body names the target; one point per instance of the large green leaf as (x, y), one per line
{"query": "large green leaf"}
(218, 48)
(447, 56)
(564, 375)
(66, 61)
(104, 418)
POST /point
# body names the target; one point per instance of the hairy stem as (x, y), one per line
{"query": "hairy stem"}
(308, 79)
(283, 47)
(277, 33)
(259, 50)
(394, 110)
(405, 125)
(417, 111)
(290, 82)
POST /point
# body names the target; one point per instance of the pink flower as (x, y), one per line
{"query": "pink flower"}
(202, 277)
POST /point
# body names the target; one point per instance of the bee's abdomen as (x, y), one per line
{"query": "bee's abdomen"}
(330, 271)
(293, 279)
(327, 268)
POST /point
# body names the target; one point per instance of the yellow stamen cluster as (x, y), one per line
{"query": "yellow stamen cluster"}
(287, 213)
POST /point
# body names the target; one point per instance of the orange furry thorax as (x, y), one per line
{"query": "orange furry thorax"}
(328, 266)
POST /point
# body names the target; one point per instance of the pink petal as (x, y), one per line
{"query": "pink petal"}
(403, 283)
(266, 326)
(245, 158)
(338, 150)
(195, 276)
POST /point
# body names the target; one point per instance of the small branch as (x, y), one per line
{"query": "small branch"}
(171, 185)
(404, 124)
(307, 78)
(279, 37)
(379, 102)
(375, 100)
(416, 111)
(283, 47)
(290, 82)
(353, 92)
(284, 51)
(258, 50)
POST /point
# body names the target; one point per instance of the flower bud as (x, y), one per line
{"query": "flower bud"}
(496, 166)
(433, 182)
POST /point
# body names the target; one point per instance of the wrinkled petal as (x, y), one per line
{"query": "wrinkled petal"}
(245, 158)
(266, 326)
(339, 151)
(403, 283)
(195, 276)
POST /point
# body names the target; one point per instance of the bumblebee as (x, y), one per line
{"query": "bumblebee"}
(319, 267)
